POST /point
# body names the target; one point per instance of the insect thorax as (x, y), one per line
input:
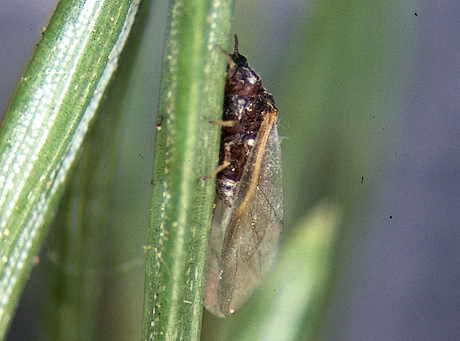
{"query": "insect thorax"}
(246, 102)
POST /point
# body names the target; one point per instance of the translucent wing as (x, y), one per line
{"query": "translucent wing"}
(220, 220)
(245, 238)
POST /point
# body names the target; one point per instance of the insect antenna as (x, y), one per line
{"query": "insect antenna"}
(235, 51)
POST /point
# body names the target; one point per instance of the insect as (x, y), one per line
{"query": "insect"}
(248, 216)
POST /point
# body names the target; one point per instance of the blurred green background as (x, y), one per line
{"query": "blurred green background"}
(341, 75)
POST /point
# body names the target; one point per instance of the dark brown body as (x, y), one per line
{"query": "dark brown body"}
(246, 104)
(248, 218)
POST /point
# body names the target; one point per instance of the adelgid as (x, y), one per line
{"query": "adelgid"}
(248, 217)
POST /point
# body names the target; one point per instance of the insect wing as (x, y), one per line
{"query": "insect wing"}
(254, 226)
(220, 220)
(252, 238)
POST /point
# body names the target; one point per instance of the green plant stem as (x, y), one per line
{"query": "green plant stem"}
(45, 126)
(72, 291)
(187, 146)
